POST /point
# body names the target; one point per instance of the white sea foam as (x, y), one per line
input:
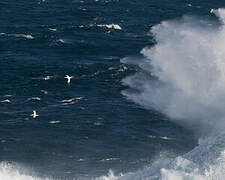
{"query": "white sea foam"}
(34, 98)
(98, 124)
(54, 122)
(14, 172)
(44, 91)
(5, 101)
(109, 159)
(110, 26)
(165, 138)
(27, 36)
(188, 62)
(9, 95)
(61, 40)
(71, 101)
(183, 76)
(47, 78)
(152, 137)
(52, 29)
(205, 162)
(111, 68)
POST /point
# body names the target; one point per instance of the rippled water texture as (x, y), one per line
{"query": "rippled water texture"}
(145, 98)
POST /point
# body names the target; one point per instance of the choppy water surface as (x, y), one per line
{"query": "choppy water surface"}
(146, 100)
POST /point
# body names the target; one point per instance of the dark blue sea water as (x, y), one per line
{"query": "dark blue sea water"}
(94, 124)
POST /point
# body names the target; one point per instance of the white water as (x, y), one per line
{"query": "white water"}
(183, 76)
(110, 26)
(188, 62)
(205, 162)
(15, 172)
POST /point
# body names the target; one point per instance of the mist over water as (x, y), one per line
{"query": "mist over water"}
(183, 76)
(186, 78)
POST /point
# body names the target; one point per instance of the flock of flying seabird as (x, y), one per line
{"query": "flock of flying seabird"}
(34, 115)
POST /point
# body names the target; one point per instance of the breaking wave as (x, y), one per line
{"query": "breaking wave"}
(10, 171)
(205, 162)
(183, 76)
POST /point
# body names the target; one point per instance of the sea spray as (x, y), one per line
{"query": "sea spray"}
(204, 162)
(9, 171)
(187, 79)
(183, 76)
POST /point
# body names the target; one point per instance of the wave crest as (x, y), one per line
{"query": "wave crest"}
(10, 171)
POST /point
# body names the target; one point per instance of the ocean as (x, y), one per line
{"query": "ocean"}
(145, 100)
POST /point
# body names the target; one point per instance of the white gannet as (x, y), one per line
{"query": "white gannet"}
(68, 78)
(34, 115)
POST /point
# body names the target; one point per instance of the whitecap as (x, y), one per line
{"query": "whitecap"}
(47, 78)
(8, 95)
(54, 122)
(34, 98)
(165, 138)
(27, 36)
(44, 91)
(82, 108)
(110, 26)
(52, 29)
(122, 69)
(71, 101)
(98, 124)
(68, 100)
(81, 26)
(205, 162)
(6, 101)
(109, 159)
(152, 137)
(61, 40)
(111, 68)
(81, 159)
(9, 171)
